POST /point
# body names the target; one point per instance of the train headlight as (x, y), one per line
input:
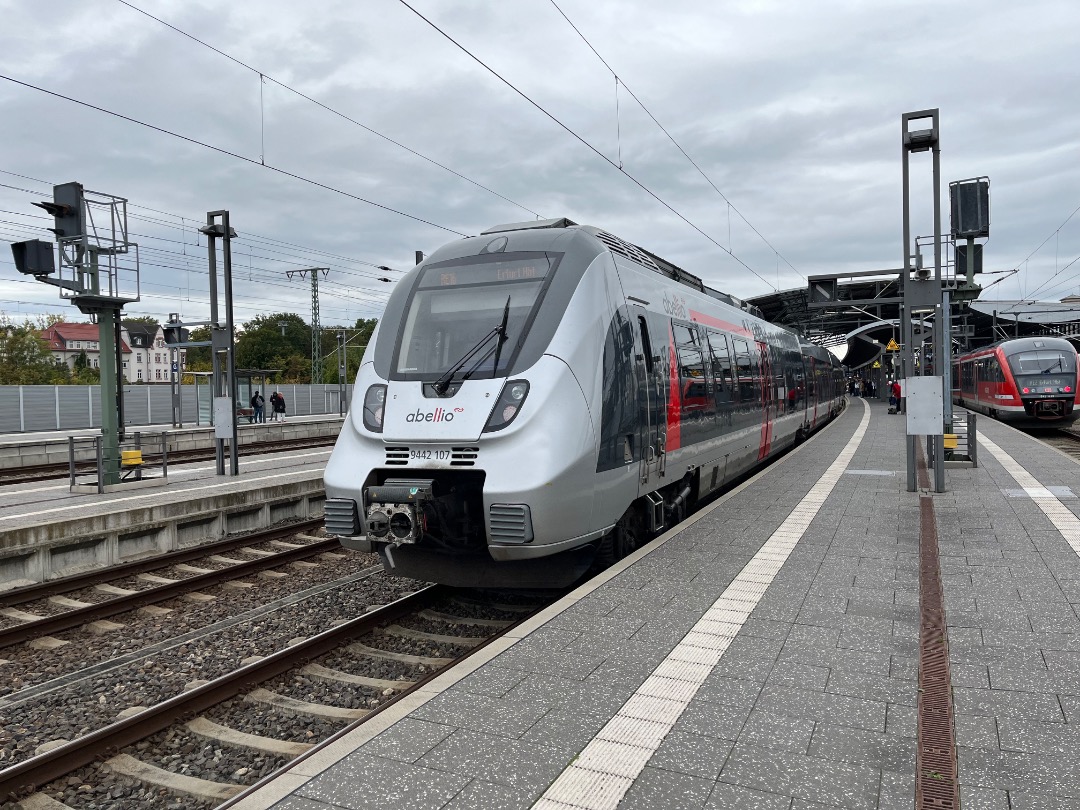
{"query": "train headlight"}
(508, 405)
(374, 406)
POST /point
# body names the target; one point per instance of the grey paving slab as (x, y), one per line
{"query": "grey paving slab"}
(515, 764)
(726, 796)
(362, 781)
(662, 789)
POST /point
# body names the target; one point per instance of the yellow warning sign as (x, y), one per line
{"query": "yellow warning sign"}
(877, 364)
(893, 346)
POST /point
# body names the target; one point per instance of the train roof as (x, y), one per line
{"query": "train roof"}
(1024, 344)
(634, 253)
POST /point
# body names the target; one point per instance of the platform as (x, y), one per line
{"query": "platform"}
(18, 450)
(765, 655)
(48, 531)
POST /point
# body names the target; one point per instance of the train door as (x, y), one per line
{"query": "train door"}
(649, 370)
(768, 399)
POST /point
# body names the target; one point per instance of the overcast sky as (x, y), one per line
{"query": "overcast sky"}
(790, 109)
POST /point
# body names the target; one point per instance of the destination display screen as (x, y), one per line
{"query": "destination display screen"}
(488, 272)
(1038, 383)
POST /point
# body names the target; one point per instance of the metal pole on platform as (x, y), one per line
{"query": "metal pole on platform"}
(906, 337)
(230, 355)
(215, 359)
(940, 355)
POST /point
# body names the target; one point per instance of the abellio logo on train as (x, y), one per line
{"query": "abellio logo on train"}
(437, 415)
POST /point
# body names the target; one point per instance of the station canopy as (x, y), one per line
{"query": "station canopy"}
(864, 315)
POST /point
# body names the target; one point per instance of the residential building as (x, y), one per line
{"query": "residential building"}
(151, 361)
(67, 341)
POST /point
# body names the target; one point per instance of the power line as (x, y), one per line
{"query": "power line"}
(194, 227)
(582, 140)
(328, 108)
(671, 138)
(223, 151)
(1040, 247)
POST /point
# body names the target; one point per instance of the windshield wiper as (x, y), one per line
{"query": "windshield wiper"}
(1049, 368)
(443, 383)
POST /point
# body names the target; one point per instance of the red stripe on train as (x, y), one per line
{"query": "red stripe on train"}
(674, 406)
(709, 320)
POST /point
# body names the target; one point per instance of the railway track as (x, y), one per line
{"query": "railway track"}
(1067, 441)
(50, 472)
(27, 625)
(209, 742)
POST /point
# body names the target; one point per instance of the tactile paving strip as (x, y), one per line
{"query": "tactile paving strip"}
(609, 764)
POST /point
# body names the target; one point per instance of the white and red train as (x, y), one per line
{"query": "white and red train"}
(546, 394)
(1029, 382)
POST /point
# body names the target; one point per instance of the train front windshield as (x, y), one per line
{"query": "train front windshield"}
(1044, 369)
(455, 305)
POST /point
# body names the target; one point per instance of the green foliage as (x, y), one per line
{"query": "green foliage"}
(356, 341)
(25, 357)
(198, 357)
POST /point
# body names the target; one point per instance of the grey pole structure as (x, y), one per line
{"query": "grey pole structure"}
(920, 295)
(316, 329)
(215, 358)
(222, 342)
(231, 354)
(99, 272)
(940, 355)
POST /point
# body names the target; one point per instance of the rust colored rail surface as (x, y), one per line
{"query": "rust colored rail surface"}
(936, 784)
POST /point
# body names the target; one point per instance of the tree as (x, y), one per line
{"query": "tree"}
(278, 341)
(82, 373)
(356, 341)
(25, 357)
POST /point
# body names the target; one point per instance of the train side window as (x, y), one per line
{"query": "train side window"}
(646, 344)
(748, 372)
(691, 369)
(721, 366)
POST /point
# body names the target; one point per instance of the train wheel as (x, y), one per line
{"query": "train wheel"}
(625, 538)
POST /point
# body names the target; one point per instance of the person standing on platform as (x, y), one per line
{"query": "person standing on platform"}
(279, 407)
(273, 406)
(257, 403)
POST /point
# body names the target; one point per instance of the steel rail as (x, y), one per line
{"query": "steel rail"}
(41, 590)
(19, 780)
(122, 604)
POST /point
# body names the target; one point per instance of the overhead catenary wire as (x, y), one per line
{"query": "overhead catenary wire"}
(619, 80)
(229, 153)
(1053, 234)
(583, 141)
(264, 77)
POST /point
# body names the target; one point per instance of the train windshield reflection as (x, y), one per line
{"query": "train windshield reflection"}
(1042, 362)
(454, 306)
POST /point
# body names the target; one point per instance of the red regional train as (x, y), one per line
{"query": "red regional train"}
(1028, 382)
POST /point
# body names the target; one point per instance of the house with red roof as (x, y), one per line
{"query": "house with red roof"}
(67, 341)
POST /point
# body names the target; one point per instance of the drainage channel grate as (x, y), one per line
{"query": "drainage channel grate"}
(935, 759)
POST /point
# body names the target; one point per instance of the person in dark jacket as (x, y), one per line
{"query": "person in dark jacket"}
(257, 403)
(279, 406)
